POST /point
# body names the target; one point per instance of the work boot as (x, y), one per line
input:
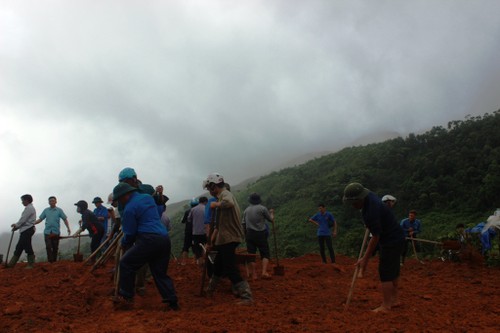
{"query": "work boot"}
(244, 293)
(212, 284)
(31, 261)
(13, 261)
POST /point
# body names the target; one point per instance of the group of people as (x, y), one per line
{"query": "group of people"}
(215, 226)
(96, 222)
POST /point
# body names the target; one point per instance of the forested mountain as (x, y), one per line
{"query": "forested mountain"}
(449, 175)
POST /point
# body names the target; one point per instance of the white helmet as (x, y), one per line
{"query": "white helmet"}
(388, 197)
(215, 178)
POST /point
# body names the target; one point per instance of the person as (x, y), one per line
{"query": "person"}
(129, 176)
(160, 199)
(26, 227)
(196, 218)
(226, 236)
(145, 241)
(52, 231)
(325, 222)
(115, 217)
(102, 215)
(389, 200)
(411, 227)
(89, 222)
(386, 231)
(188, 232)
(257, 233)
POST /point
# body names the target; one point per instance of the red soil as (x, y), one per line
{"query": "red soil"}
(436, 297)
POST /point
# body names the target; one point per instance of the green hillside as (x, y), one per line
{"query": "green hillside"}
(449, 175)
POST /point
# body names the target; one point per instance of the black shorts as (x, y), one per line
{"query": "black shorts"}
(258, 240)
(389, 267)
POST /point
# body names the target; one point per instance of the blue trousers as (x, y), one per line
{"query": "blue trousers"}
(149, 249)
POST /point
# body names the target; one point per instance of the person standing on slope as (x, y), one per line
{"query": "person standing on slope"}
(325, 222)
(380, 221)
(227, 235)
(26, 227)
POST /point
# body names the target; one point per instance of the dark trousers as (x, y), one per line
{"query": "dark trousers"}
(95, 239)
(407, 245)
(149, 249)
(197, 240)
(328, 240)
(52, 246)
(225, 262)
(24, 242)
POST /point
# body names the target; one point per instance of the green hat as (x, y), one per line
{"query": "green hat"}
(354, 192)
(121, 189)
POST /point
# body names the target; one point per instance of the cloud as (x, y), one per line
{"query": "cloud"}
(179, 89)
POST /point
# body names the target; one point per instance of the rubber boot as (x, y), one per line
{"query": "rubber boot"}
(31, 261)
(212, 284)
(244, 293)
(13, 261)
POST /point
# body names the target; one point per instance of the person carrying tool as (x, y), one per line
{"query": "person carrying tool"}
(226, 237)
(411, 227)
(52, 231)
(26, 227)
(91, 223)
(257, 232)
(145, 241)
(325, 221)
(386, 231)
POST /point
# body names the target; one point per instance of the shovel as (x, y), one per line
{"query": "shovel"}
(8, 250)
(78, 257)
(277, 270)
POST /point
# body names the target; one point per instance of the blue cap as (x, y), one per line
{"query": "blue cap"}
(126, 173)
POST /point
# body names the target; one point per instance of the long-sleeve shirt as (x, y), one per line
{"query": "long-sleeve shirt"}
(229, 224)
(379, 219)
(255, 216)
(406, 224)
(140, 216)
(28, 218)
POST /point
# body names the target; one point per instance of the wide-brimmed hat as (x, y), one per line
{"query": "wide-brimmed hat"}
(97, 199)
(355, 192)
(121, 189)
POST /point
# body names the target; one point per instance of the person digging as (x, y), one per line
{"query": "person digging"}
(386, 231)
(145, 241)
(226, 237)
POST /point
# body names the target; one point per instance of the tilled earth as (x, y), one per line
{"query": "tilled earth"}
(436, 296)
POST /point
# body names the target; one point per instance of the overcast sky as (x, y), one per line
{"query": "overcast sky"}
(178, 89)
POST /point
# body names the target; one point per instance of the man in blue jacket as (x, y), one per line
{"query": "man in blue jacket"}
(146, 241)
